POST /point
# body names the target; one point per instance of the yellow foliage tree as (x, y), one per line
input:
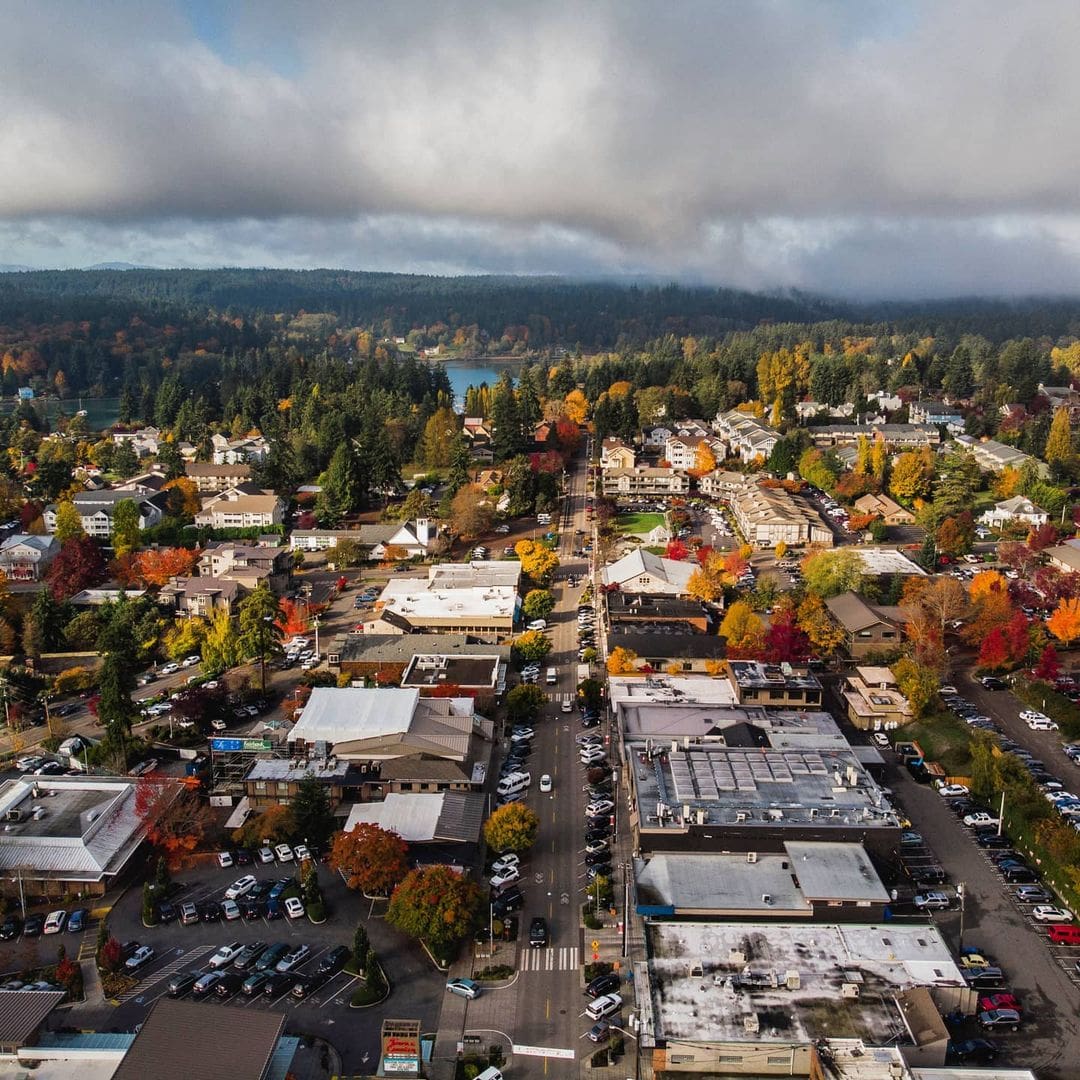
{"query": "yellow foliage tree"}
(704, 586)
(704, 461)
(621, 661)
(780, 550)
(742, 630)
(1064, 624)
(986, 581)
(576, 406)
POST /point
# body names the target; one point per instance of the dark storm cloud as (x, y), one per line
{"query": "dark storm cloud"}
(849, 147)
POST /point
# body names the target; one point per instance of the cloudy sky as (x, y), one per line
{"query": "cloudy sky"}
(860, 148)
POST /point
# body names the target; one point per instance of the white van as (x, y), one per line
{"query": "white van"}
(512, 784)
(552, 676)
(490, 1073)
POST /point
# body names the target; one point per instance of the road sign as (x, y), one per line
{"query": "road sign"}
(595, 944)
(596, 956)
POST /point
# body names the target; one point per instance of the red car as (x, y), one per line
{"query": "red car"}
(999, 1001)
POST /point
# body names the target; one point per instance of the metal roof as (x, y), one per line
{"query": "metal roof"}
(22, 1012)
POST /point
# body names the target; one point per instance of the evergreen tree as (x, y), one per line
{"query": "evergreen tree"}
(311, 813)
(342, 487)
(381, 469)
(127, 405)
(507, 439)
(125, 461)
(459, 473)
(528, 400)
(169, 456)
(260, 634)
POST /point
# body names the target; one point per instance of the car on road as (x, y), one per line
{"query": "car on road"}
(225, 955)
(603, 984)
(932, 901)
(294, 907)
(506, 862)
(991, 682)
(170, 669)
(505, 877)
(190, 661)
(55, 922)
(1046, 913)
(293, 959)
(465, 988)
(241, 887)
(538, 932)
(140, 957)
(953, 791)
(992, 1019)
(537, 624)
(545, 783)
(567, 706)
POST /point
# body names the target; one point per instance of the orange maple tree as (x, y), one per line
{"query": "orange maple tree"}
(293, 618)
(157, 567)
(176, 821)
(1064, 623)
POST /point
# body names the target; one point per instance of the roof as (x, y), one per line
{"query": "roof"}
(233, 1044)
(430, 770)
(757, 675)
(638, 563)
(644, 607)
(1065, 554)
(420, 602)
(1018, 504)
(879, 504)
(888, 561)
(480, 573)
(827, 871)
(391, 648)
(242, 504)
(208, 468)
(655, 642)
(22, 1012)
(436, 669)
(285, 769)
(345, 714)
(418, 819)
(853, 612)
(44, 544)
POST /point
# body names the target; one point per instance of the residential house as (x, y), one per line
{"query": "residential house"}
(96, 509)
(247, 564)
(745, 436)
(874, 701)
(867, 627)
(642, 572)
(881, 506)
(721, 483)
(767, 515)
(250, 448)
(897, 436)
(994, 456)
(479, 432)
(1062, 397)
(807, 410)
(1019, 509)
(934, 412)
(615, 454)
(369, 536)
(24, 557)
(211, 478)
(656, 438)
(202, 596)
(144, 441)
(543, 432)
(235, 508)
(489, 478)
(645, 480)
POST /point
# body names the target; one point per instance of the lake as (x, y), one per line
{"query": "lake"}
(101, 413)
(466, 373)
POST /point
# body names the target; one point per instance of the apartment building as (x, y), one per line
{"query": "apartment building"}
(745, 436)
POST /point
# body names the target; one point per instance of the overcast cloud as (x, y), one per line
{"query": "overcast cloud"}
(840, 147)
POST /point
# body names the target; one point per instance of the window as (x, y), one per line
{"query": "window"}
(260, 787)
(778, 1059)
(729, 1059)
(777, 695)
(282, 788)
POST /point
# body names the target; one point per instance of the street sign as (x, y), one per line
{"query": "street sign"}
(595, 944)
(596, 956)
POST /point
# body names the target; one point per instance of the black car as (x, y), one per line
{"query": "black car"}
(253, 910)
(33, 926)
(980, 1051)
(179, 985)
(242, 857)
(249, 955)
(210, 911)
(10, 928)
(599, 833)
(305, 985)
(260, 890)
(278, 983)
(333, 961)
(1020, 875)
(992, 840)
(538, 932)
(166, 912)
(603, 984)
(590, 721)
(510, 900)
(596, 858)
(228, 984)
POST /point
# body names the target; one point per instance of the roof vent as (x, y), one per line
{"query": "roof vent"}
(751, 856)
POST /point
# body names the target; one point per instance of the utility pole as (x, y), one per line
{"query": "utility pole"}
(961, 893)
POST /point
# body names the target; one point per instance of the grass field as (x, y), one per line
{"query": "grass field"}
(638, 523)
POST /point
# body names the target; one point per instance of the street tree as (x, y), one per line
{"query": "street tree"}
(524, 703)
(621, 661)
(513, 827)
(532, 645)
(372, 860)
(435, 905)
(538, 603)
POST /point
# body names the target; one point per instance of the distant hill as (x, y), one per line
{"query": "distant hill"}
(118, 266)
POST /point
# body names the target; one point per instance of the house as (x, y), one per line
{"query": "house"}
(807, 410)
(542, 433)
(867, 629)
(897, 437)
(721, 483)
(1062, 397)
(656, 438)
(642, 572)
(767, 515)
(489, 478)
(994, 456)
(1018, 509)
(1065, 557)
(202, 596)
(416, 538)
(934, 412)
(144, 441)
(210, 478)
(369, 536)
(236, 509)
(227, 451)
(681, 451)
(96, 509)
(745, 436)
(881, 506)
(645, 480)
(247, 564)
(874, 701)
(24, 557)
(477, 430)
(615, 454)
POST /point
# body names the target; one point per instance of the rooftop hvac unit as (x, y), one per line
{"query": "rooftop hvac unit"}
(740, 815)
(792, 980)
(686, 811)
(751, 856)
(14, 814)
(849, 991)
(736, 957)
(701, 817)
(834, 813)
(751, 1024)
(766, 898)
(39, 812)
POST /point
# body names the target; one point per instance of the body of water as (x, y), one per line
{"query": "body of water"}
(101, 413)
(466, 373)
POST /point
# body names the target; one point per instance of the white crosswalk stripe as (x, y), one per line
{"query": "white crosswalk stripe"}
(564, 958)
(188, 959)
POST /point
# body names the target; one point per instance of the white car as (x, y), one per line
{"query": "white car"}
(225, 955)
(567, 706)
(284, 853)
(600, 806)
(190, 661)
(240, 887)
(294, 907)
(881, 740)
(1033, 714)
(301, 852)
(230, 909)
(1042, 725)
(27, 764)
(170, 669)
(224, 858)
(591, 757)
(507, 877)
(537, 624)
(545, 784)
(953, 791)
(506, 862)
(55, 922)
(1048, 914)
(981, 818)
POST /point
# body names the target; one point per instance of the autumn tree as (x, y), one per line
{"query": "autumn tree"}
(125, 526)
(371, 860)
(435, 905)
(676, 550)
(994, 650)
(1048, 669)
(538, 603)
(1064, 623)
(68, 522)
(185, 637)
(825, 635)
(704, 460)
(160, 566)
(471, 512)
(912, 475)
(79, 565)
(918, 684)
(513, 827)
(221, 648)
(576, 406)
(742, 631)
(184, 498)
(439, 436)
(532, 645)
(176, 820)
(780, 550)
(704, 586)
(1059, 441)
(830, 573)
(621, 661)
(538, 561)
(785, 640)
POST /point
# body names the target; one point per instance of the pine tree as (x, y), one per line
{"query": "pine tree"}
(459, 473)
(507, 438)
(342, 488)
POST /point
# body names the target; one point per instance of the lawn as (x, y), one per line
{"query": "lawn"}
(638, 523)
(944, 738)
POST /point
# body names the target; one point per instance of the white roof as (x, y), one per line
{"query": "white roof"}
(483, 572)
(337, 714)
(412, 817)
(888, 561)
(640, 562)
(495, 601)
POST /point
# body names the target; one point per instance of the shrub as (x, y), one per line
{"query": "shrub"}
(316, 911)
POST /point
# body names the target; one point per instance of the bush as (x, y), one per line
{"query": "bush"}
(588, 917)
(149, 912)
(598, 967)
(316, 911)
(495, 971)
(599, 1059)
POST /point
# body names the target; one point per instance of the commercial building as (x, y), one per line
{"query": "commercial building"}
(275, 781)
(707, 797)
(447, 817)
(70, 834)
(644, 480)
(868, 630)
(874, 701)
(775, 685)
(369, 536)
(663, 645)
(886, 562)
(480, 676)
(745, 436)
(881, 506)
(768, 515)
(385, 657)
(643, 609)
(642, 572)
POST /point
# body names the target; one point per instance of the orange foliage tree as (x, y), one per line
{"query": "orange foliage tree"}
(176, 821)
(186, 499)
(1064, 623)
(293, 618)
(157, 567)
(371, 859)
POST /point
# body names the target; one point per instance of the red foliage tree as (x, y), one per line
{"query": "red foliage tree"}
(994, 653)
(785, 641)
(370, 859)
(176, 820)
(1049, 666)
(567, 434)
(79, 565)
(1043, 537)
(1018, 637)
(293, 618)
(157, 567)
(702, 554)
(677, 550)
(30, 511)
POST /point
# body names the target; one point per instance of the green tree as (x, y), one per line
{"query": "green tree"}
(68, 522)
(538, 603)
(435, 905)
(342, 487)
(221, 644)
(1059, 443)
(125, 527)
(348, 553)
(371, 860)
(459, 472)
(125, 461)
(829, 573)
(508, 436)
(311, 812)
(43, 626)
(591, 693)
(513, 827)
(361, 947)
(782, 459)
(260, 634)
(524, 703)
(918, 684)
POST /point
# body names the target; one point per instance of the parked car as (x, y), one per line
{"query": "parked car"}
(245, 959)
(55, 922)
(241, 887)
(505, 862)
(465, 988)
(226, 955)
(978, 1051)
(952, 791)
(932, 901)
(284, 853)
(206, 982)
(269, 959)
(1000, 1018)
(179, 985)
(10, 928)
(603, 984)
(142, 956)
(294, 907)
(294, 958)
(1046, 913)
(254, 983)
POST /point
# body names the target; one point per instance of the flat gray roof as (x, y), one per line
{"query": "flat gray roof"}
(827, 871)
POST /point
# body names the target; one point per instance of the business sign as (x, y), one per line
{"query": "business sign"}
(224, 746)
(543, 1051)
(401, 1047)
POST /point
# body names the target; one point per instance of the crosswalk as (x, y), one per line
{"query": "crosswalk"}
(564, 958)
(187, 959)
